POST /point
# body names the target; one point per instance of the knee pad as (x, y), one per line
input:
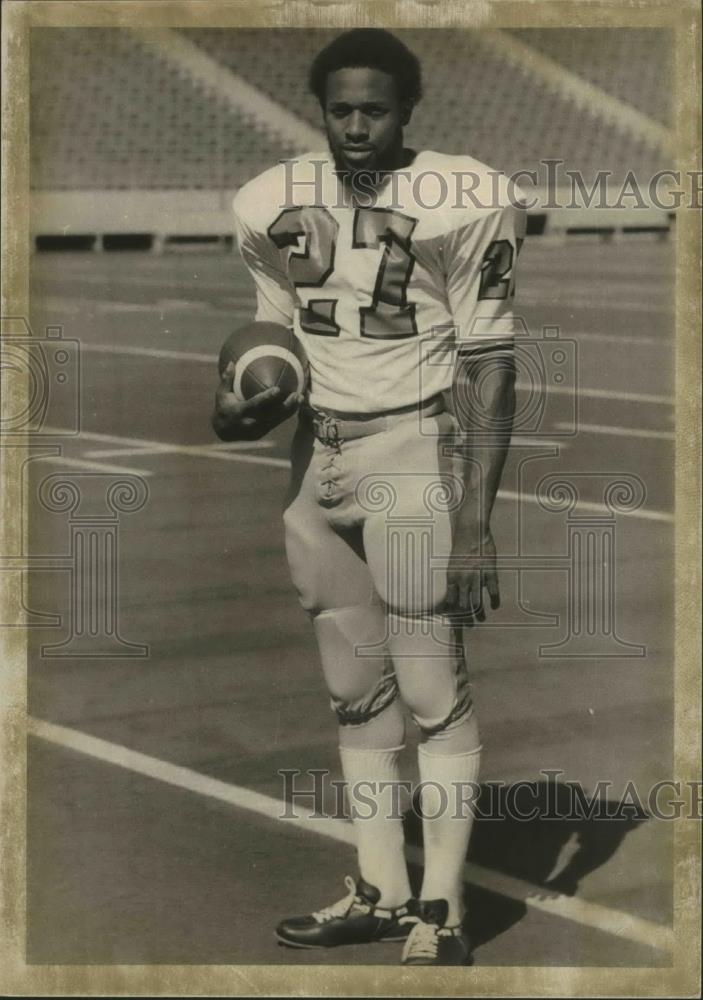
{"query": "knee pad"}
(355, 661)
(430, 667)
(459, 737)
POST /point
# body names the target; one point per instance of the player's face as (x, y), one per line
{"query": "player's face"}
(364, 120)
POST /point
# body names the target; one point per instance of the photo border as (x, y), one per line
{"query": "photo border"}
(683, 977)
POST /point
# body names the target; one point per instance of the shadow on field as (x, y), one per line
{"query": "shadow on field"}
(548, 834)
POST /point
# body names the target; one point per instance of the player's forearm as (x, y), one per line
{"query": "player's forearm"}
(484, 395)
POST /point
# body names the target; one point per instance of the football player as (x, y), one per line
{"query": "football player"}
(395, 269)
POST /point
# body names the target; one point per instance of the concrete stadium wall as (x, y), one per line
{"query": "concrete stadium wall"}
(159, 214)
(159, 219)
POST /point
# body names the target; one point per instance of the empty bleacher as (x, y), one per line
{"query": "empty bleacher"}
(106, 114)
(109, 114)
(634, 64)
(475, 101)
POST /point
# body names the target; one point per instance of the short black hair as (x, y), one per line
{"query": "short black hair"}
(373, 48)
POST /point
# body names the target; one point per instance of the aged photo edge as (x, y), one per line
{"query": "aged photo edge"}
(683, 978)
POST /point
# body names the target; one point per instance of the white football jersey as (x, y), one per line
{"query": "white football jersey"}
(380, 287)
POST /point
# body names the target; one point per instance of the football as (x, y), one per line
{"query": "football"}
(265, 355)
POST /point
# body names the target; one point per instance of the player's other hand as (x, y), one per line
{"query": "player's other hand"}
(235, 419)
(472, 571)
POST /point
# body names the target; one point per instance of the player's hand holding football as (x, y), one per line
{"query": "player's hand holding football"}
(236, 419)
(473, 568)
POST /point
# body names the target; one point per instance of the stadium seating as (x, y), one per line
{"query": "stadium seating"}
(474, 100)
(633, 65)
(108, 114)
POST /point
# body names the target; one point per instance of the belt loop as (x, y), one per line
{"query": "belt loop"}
(329, 432)
(328, 428)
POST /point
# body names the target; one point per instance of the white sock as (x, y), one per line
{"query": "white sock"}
(378, 826)
(446, 837)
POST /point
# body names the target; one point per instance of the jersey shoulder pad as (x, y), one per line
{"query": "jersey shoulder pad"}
(257, 202)
(477, 187)
(252, 202)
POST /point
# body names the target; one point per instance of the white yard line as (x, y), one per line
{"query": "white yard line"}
(142, 445)
(539, 442)
(579, 911)
(151, 352)
(143, 281)
(153, 307)
(83, 463)
(77, 306)
(165, 448)
(598, 508)
(211, 359)
(665, 341)
(632, 432)
(242, 445)
(203, 451)
(162, 449)
(581, 302)
(530, 295)
(592, 393)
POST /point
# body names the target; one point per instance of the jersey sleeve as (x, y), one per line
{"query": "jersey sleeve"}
(275, 299)
(480, 264)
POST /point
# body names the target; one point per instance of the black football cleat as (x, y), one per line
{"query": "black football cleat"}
(356, 919)
(430, 942)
